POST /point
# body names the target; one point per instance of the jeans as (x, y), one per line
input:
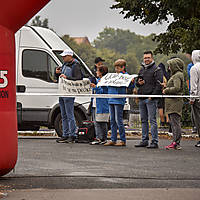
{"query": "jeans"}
(67, 114)
(116, 121)
(148, 110)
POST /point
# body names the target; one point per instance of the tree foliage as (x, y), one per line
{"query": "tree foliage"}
(41, 23)
(182, 34)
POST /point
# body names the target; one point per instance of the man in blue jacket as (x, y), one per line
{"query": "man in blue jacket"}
(70, 70)
(149, 82)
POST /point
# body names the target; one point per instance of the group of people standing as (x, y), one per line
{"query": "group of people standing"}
(149, 82)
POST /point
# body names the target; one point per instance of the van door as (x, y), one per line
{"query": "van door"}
(36, 74)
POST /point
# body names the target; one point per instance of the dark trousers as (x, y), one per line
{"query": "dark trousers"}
(175, 121)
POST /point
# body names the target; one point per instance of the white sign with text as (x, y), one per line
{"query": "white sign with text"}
(74, 87)
(116, 80)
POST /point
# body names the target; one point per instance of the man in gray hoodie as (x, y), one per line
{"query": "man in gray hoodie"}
(195, 90)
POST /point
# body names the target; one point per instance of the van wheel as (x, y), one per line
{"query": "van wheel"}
(58, 125)
(58, 122)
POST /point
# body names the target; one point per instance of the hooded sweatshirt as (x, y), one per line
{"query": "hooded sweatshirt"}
(195, 76)
(175, 87)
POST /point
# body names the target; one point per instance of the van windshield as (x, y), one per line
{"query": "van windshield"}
(85, 71)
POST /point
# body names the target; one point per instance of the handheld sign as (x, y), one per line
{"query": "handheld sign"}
(116, 80)
(74, 87)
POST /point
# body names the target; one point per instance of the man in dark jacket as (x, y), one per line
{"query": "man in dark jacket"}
(149, 82)
(70, 70)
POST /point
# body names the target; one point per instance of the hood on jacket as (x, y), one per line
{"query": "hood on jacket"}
(196, 56)
(175, 64)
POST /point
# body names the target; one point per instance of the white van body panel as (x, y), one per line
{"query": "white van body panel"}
(44, 40)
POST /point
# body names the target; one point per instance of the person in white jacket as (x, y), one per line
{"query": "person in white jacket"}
(195, 90)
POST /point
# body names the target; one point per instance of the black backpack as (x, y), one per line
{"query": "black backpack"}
(86, 133)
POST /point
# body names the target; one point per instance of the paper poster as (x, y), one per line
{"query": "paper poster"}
(116, 80)
(74, 87)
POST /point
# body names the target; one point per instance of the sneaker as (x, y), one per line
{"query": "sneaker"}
(171, 146)
(198, 144)
(142, 144)
(194, 129)
(111, 143)
(103, 142)
(70, 139)
(153, 146)
(178, 147)
(96, 141)
(62, 140)
(120, 144)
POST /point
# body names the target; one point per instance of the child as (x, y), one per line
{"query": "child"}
(116, 106)
(102, 109)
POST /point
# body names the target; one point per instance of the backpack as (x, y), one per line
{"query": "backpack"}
(86, 133)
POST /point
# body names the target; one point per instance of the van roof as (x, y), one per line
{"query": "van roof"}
(48, 36)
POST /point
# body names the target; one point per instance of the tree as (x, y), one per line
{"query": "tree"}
(38, 22)
(86, 52)
(116, 39)
(183, 33)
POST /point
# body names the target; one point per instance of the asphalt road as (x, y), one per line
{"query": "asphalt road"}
(43, 163)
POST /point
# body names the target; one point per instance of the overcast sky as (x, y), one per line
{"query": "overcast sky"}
(89, 17)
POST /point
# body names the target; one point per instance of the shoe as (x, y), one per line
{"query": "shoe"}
(171, 146)
(111, 143)
(103, 142)
(198, 144)
(96, 141)
(178, 147)
(120, 144)
(194, 129)
(142, 144)
(70, 140)
(153, 146)
(62, 140)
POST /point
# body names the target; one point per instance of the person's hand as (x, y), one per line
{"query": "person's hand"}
(141, 81)
(164, 85)
(92, 85)
(163, 91)
(58, 70)
(191, 102)
(62, 75)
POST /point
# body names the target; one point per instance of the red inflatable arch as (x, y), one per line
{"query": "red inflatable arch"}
(13, 15)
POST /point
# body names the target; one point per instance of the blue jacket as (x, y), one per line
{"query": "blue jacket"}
(101, 103)
(118, 90)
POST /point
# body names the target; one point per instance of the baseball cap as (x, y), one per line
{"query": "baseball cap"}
(67, 52)
(98, 59)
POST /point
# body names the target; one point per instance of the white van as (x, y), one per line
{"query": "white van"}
(37, 56)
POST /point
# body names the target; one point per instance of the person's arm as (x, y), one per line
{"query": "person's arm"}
(176, 88)
(57, 73)
(139, 81)
(158, 75)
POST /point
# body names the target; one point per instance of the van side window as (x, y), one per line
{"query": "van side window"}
(38, 64)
